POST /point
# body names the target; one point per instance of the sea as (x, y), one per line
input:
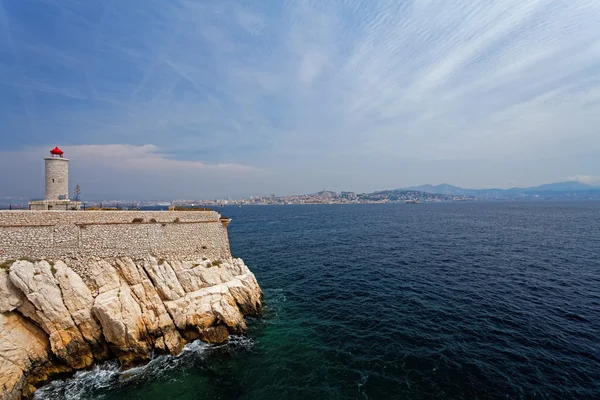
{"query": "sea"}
(469, 300)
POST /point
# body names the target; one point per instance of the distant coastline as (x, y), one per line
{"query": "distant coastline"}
(412, 195)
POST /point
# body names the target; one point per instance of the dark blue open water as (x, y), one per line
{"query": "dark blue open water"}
(431, 301)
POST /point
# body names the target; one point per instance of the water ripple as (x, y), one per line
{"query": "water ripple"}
(448, 301)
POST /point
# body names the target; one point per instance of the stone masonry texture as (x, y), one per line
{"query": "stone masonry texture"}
(81, 235)
(57, 178)
(80, 287)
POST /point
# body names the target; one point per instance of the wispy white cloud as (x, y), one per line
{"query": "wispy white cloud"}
(148, 158)
(106, 171)
(250, 21)
(587, 179)
(356, 87)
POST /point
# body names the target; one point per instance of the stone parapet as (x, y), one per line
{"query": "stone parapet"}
(24, 217)
(88, 234)
(62, 205)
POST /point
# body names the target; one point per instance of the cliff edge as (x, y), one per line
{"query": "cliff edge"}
(57, 316)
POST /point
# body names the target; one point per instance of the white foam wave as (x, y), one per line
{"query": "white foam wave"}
(100, 377)
(96, 381)
(243, 342)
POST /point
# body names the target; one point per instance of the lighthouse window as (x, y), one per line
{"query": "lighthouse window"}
(52, 180)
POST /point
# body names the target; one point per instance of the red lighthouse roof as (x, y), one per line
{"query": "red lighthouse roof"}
(56, 152)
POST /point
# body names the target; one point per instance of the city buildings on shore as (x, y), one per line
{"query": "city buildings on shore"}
(329, 197)
(57, 195)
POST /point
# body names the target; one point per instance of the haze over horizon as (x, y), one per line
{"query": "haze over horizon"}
(154, 99)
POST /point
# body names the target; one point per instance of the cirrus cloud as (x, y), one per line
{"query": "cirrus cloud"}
(127, 172)
(336, 94)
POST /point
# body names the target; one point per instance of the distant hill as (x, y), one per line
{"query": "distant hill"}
(550, 190)
(562, 187)
(444, 188)
(404, 195)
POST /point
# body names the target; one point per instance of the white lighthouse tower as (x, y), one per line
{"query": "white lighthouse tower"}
(57, 184)
(57, 175)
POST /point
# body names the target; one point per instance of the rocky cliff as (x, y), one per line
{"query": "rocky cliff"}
(64, 315)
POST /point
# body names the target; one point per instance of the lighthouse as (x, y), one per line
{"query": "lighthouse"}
(57, 184)
(57, 175)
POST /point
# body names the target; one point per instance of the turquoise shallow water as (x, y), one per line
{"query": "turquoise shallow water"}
(450, 301)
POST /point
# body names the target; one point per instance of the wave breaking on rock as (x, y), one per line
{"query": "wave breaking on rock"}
(60, 316)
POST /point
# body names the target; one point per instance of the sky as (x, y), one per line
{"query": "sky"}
(154, 99)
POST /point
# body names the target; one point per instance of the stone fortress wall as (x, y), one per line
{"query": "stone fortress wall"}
(106, 234)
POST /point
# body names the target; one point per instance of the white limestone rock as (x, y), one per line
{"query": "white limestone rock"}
(78, 299)
(104, 276)
(189, 274)
(154, 315)
(10, 296)
(125, 307)
(36, 281)
(23, 347)
(164, 278)
(121, 319)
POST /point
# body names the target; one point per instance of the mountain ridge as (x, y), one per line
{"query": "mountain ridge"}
(560, 189)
